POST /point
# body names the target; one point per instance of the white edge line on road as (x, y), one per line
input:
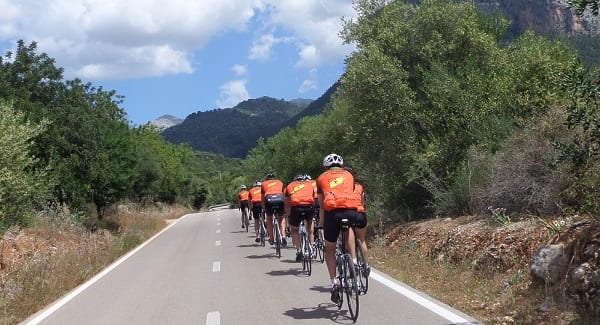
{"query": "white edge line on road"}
(213, 318)
(419, 299)
(50, 310)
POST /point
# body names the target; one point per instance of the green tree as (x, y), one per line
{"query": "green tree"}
(22, 189)
(428, 82)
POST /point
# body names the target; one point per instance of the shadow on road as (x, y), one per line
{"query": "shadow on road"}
(268, 255)
(237, 232)
(322, 311)
(294, 272)
(323, 289)
(249, 245)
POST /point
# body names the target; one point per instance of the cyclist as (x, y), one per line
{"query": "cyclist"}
(335, 187)
(255, 198)
(243, 202)
(272, 197)
(361, 221)
(299, 205)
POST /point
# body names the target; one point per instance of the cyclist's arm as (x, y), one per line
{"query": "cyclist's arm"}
(321, 212)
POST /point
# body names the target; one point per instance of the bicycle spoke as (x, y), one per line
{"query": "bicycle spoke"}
(351, 288)
(363, 277)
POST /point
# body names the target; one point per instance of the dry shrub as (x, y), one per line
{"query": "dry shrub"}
(522, 175)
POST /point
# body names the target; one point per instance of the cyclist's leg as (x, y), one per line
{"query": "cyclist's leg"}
(331, 230)
(256, 213)
(361, 234)
(269, 213)
(310, 228)
(294, 221)
(282, 224)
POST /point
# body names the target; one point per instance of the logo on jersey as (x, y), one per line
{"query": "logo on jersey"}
(336, 182)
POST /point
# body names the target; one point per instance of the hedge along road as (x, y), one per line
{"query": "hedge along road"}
(205, 269)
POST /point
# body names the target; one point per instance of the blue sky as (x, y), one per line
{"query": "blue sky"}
(178, 57)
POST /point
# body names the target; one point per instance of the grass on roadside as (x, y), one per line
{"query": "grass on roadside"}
(56, 255)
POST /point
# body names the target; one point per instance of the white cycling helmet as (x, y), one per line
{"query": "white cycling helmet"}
(243, 187)
(333, 159)
(257, 183)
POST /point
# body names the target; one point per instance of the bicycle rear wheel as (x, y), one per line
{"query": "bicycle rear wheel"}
(277, 239)
(263, 231)
(342, 280)
(306, 255)
(363, 276)
(351, 288)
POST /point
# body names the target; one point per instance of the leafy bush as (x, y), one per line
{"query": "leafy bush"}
(21, 187)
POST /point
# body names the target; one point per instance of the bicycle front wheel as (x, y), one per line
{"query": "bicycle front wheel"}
(363, 276)
(351, 288)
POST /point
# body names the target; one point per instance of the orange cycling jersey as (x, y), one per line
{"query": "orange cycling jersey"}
(337, 186)
(243, 195)
(271, 186)
(358, 189)
(300, 193)
(255, 195)
(313, 183)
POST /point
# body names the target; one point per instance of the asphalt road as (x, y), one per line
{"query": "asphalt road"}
(205, 269)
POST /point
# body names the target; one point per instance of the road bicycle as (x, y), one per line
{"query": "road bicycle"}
(346, 271)
(305, 249)
(319, 247)
(247, 217)
(362, 267)
(277, 232)
(263, 228)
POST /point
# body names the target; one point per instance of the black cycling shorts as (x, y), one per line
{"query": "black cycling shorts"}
(256, 210)
(301, 212)
(361, 220)
(270, 208)
(332, 227)
(244, 205)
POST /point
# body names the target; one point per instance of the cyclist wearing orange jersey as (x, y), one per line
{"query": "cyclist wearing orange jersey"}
(272, 197)
(255, 198)
(313, 182)
(335, 187)
(361, 222)
(243, 202)
(299, 205)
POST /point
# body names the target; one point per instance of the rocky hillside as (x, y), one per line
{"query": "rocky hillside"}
(543, 16)
(530, 271)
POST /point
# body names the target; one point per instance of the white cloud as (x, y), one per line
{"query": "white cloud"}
(118, 39)
(309, 57)
(239, 70)
(102, 39)
(232, 93)
(309, 84)
(261, 48)
(316, 25)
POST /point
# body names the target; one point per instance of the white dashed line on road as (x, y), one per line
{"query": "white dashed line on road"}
(218, 223)
(216, 266)
(218, 243)
(218, 231)
(213, 318)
